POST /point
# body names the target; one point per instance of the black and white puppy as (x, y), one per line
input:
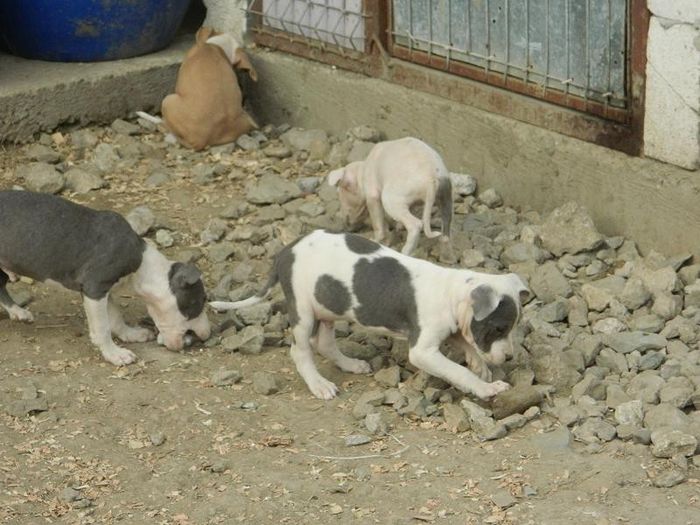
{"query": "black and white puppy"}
(328, 276)
(49, 238)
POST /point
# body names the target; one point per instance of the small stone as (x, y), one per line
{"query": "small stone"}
(616, 362)
(669, 478)
(649, 323)
(487, 429)
(248, 341)
(548, 283)
(554, 312)
(388, 376)
(630, 413)
(514, 421)
(665, 416)
(81, 181)
(491, 198)
(503, 499)
(599, 294)
(41, 153)
(221, 251)
(667, 443)
(248, 143)
(41, 177)
(594, 429)
(515, 401)
(157, 179)
(473, 410)
(367, 403)
(258, 314)
(164, 238)
(125, 128)
(105, 157)
(271, 189)
(309, 184)
(219, 466)
(277, 151)
(651, 361)
(642, 436)
(667, 305)
(455, 418)
(366, 133)
(376, 424)
(472, 258)
(225, 377)
(141, 219)
(678, 393)
(265, 383)
(157, 438)
(463, 184)
(84, 139)
(634, 294)
(645, 386)
(627, 342)
(569, 229)
(69, 494)
(26, 407)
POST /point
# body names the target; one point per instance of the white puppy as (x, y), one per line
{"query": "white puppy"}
(396, 175)
(327, 277)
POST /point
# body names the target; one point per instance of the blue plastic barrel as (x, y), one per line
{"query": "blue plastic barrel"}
(88, 30)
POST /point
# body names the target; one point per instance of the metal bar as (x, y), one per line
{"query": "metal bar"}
(609, 87)
(588, 50)
(546, 48)
(410, 24)
(430, 26)
(487, 63)
(449, 30)
(507, 59)
(527, 43)
(566, 39)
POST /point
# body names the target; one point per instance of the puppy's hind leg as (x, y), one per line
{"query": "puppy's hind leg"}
(302, 356)
(97, 312)
(15, 311)
(327, 348)
(126, 333)
(399, 210)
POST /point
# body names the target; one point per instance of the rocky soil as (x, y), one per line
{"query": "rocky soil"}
(602, 425)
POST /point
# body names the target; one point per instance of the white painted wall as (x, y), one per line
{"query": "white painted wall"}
(672, 112)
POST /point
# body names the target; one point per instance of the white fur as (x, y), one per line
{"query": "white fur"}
(443, 300)
(151, 283)
(227, 43)
(395, 175)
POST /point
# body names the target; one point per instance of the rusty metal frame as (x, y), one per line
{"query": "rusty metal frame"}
(493, 92)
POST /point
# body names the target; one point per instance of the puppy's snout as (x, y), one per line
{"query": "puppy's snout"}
(174, 342)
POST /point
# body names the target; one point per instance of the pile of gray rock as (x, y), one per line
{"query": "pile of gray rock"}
(608, 346)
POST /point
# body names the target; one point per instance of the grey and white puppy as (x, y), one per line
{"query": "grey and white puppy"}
(327, 277)
(49, 238)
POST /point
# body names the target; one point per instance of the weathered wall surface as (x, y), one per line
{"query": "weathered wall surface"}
(655, 203)
(672, 108)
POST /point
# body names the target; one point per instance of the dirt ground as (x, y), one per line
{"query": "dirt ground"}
(158, 443)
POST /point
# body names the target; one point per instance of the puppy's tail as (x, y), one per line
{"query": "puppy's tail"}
(149, 117)
(444, 200)
(225, 306)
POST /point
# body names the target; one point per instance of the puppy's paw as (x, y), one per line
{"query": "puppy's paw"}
(433, 235)
(356, 366)
(20, 314)
(491, 389)
(322, 388)
(135, 334)
(119, 356)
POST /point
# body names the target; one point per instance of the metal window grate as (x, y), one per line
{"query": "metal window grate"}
(337, 22)
(577, 47)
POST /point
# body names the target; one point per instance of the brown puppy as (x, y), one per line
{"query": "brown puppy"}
(206, 108)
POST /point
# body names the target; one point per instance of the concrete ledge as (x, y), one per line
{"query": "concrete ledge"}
(654, 203)
(39, 96)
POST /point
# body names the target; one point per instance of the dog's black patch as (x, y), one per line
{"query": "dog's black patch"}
(360, 245)
(46, 237)
(185, 282)
(497, 325)
(332, 294)
(386, 297)
(282, 272)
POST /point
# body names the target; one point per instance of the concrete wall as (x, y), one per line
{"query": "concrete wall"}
(672, 112)
(655, 203)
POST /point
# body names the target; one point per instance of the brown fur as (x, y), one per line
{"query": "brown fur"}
(206, 108)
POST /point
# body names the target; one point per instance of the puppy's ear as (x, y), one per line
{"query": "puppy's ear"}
(203, 33)
(184, 275)
(520, 288)
(484, 301)
(335, 176)
(241, 61)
